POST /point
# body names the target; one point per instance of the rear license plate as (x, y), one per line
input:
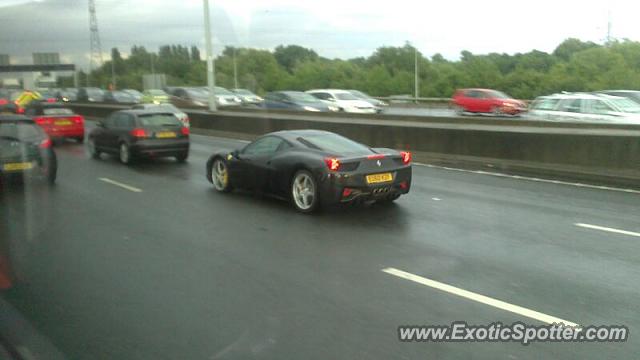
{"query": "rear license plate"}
(17, 166)
(166, 135)
(379, 178)
(63, 122)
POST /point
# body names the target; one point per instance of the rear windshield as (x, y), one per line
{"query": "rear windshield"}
(57, 111)
(334, 143)
(19, 130)
(152, 120)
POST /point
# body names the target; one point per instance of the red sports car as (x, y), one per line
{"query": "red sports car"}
(487, 101)
(56, 120)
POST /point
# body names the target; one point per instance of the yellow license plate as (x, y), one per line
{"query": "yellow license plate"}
(165, 135)
(17, 166)
(379, 178)
(63, 122)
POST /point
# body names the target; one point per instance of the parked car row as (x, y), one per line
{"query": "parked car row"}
(336, 100)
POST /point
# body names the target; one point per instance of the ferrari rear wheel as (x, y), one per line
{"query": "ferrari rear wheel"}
(220, 175)
(304, 192)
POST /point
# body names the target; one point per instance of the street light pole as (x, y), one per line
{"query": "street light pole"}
(211, 79)
(417, 90)
(113, 73)
(235, 69)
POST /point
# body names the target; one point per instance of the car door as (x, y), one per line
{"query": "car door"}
(101, 134)
(569, 110)
(255, 165)
(468, 101)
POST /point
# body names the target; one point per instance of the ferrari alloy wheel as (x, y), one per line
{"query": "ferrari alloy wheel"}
(304, 191)
(220, 176)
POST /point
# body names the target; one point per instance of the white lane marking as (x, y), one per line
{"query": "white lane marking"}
(119, 184)
(435, 199)
(479, 298)
(602, 228)
(588, 186)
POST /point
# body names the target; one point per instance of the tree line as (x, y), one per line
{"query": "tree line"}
(574, 65)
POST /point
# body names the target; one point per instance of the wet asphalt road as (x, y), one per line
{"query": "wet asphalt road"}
(178, 271)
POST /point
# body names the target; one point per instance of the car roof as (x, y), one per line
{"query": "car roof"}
(335, 91)
(142, 111)
(11, 117)
(588, 96)
(294, 134)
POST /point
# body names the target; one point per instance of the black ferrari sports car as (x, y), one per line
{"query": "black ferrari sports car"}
(313, 168)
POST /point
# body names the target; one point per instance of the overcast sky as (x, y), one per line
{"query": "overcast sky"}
(334, 28)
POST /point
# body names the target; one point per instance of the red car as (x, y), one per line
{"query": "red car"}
(487, 101)
(56, 120)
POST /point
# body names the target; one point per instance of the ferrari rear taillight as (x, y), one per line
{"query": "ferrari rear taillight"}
(406, 157)
(138, 133)
(46, 143)
(332, 163)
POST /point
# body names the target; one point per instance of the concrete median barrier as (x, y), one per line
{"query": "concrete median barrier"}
(595, 152)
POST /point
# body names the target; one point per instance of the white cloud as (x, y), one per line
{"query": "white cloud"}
(334, 28)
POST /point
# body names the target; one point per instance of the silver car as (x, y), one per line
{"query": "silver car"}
(585, 107)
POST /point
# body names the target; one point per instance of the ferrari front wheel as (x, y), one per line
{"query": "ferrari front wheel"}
(220, 176)
(304, 192)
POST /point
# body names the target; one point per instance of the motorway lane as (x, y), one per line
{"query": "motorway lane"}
(180, 271)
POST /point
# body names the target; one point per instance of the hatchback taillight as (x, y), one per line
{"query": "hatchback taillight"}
(138, 133)
(46, 143)
(78, 119)
(185, 131)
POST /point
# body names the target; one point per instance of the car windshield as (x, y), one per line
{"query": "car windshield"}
(345, 96)
(158, 120)
(222, 91)
(57, 111)
(335, 144)
(498, 95)
(157, 93)
(626, 105)
(243, 92)
(359, 94)
(301, 97)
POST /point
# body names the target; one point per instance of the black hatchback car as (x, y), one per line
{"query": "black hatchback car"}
(131, 134)
(25, 150)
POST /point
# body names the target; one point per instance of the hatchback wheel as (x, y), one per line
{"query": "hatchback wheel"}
(91, 148)
(125, 154)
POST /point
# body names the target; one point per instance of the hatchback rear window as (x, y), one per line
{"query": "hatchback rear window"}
(57, 111)
(19, 130)
(159, 120)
